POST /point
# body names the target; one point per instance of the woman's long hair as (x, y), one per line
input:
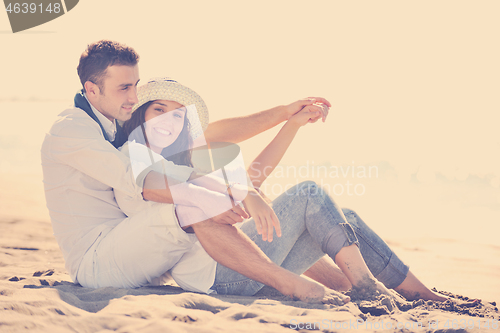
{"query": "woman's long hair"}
(179, 152)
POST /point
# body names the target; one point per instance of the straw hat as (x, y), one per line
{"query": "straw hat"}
(167, 89)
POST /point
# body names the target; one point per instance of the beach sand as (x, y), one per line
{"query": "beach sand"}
(36, 293)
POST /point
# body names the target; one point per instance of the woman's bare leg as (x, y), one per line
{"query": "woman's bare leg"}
(413, 289)
(327, 273)
(353, 266)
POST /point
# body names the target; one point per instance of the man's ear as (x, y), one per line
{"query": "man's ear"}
(91, 89)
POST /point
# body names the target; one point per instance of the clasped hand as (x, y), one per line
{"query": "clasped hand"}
(317, 107)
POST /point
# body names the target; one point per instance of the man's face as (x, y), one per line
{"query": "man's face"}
(118, 93)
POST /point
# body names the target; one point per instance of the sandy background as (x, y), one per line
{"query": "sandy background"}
(415, 94)
(37, 295)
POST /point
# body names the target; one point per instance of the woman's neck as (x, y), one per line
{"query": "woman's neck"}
(157, 150)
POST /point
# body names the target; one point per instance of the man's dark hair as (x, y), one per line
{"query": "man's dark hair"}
(98, 56)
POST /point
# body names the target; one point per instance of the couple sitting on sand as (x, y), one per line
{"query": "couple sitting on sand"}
(110, 191)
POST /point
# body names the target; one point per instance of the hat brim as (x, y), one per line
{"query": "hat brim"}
(163, 89)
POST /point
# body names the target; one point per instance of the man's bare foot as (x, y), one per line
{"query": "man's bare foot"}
(334, 297)
(312, 292)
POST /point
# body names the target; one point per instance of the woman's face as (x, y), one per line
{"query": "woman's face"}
(164, 123)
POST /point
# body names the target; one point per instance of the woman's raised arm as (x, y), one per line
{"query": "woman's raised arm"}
(268, 159)
(238, 129)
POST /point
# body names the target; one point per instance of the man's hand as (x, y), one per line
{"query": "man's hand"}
(309, 114)
(297, 106)
(263, 215)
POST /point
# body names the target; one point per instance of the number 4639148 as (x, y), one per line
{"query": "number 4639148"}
(32, 8)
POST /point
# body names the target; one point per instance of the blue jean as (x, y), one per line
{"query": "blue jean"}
(311, 222)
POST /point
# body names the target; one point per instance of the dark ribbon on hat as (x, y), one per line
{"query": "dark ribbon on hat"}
(165, 79)
(82, 103)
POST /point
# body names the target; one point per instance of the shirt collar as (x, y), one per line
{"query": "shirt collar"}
(109, 126)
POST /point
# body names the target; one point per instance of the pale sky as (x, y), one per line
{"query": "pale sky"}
(413, 79)
(412, 83)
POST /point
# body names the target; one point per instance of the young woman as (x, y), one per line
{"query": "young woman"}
(167, 119)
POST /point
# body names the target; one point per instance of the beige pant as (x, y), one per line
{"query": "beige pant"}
(143, 247)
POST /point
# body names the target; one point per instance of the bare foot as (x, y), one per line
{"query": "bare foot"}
(369, 288)
(468, 304)
(413, 289)
(424, 294)
(311, 292)
(334, 297)
(430, 295)
(391, 293)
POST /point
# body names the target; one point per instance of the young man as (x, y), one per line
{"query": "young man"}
(104, 247)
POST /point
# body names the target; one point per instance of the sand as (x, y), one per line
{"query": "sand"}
(36, 293)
